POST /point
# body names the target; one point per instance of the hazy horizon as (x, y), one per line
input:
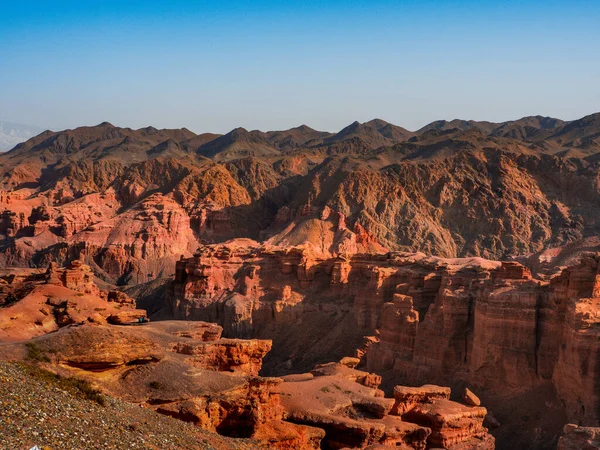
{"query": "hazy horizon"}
(213, 67)
(42, 129)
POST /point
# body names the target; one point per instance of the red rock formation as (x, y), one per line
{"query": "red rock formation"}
(77, 277)
(370, 380)
(141, 243)
(217, 388)
(486, 324)
(130, 201)
(324, 232)
(354, 415)
(406, 398)
(453, 426)
(579, 438)
(133, 246)
(39, 303)
(233, 355)
(452, 191)
(12, 222)
(576, 292)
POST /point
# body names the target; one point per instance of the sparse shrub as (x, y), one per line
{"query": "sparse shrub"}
(76, 386)
(35, 353)
(85, 389)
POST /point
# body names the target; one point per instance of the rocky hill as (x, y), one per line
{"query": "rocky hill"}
(132, 201)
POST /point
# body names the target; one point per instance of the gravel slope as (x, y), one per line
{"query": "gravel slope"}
(36, 408)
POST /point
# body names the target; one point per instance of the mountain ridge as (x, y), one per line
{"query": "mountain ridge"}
(456, 189)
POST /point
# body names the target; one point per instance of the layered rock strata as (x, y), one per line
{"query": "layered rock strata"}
(218, 389)
(355, 415)
(411, 318)
(37, 302)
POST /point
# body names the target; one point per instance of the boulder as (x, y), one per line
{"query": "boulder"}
(406, 398)
(452, 425)
(470, 399)
(579, 438)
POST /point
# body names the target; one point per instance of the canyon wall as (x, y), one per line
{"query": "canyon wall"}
(413, 319)
(62, 321)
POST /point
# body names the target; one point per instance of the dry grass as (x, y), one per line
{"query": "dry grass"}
(76, 386)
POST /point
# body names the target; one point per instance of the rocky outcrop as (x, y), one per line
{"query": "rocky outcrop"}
(218, 388)
(474, 322)
(576, 374)
(99, 348)
(132, 246)
(406, 398)
(500, 328)
(579, 438)
(324, 231)
(226, 355)
(37, 302)
(453, 426)
(354, 415)
(12, 222)
(351, 414)
(370, 380)
(137, 364)
(77, 277)
(140, 244)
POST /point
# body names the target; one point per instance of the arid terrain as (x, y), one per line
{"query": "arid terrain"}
(371, 288)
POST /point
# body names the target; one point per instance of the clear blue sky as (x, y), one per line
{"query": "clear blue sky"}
(212, 66)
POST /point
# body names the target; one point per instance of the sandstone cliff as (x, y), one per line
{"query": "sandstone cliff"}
(413, 319)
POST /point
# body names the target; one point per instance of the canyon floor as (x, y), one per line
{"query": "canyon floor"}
(301, 289)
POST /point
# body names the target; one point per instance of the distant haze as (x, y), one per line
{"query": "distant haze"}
(12, 134)
(212, 66)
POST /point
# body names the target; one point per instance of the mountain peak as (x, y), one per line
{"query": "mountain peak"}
(238, 133)
(149, 130)
(303, 128)
(378, 123)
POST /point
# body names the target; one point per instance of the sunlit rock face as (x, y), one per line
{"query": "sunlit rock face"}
(444, 321)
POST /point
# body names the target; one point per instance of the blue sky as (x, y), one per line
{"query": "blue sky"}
(212, 66)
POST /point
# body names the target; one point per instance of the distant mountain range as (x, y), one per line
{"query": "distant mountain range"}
(12, 134)
(452, 188)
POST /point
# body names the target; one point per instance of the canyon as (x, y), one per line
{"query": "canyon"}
(217, 386)
(369, 288)
(414, 319)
